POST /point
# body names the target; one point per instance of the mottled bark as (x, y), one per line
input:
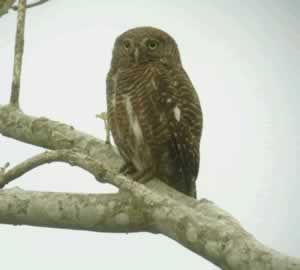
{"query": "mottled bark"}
(71, 157)
(54, 135)
(93, 212)
(200, 226)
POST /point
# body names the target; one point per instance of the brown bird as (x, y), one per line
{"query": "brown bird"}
(153, 109)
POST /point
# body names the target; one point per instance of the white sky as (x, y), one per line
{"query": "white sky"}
(244, 62)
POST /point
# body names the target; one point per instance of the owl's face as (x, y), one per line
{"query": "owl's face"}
(145, 45)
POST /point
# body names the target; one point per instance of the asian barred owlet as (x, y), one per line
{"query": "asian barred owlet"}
(153, 109)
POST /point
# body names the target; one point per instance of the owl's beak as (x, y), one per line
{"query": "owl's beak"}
(136, 55)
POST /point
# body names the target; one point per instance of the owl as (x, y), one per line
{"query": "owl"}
(153, 110)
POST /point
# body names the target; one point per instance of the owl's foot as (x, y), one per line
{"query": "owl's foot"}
(127, 168)
(143, 176)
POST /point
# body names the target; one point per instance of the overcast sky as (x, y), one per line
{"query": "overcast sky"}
(244, 60)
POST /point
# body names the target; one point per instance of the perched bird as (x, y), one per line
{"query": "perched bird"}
(153, 109)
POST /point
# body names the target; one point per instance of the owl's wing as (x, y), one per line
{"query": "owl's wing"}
(181, 107)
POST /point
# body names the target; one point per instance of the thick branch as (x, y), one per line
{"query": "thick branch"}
(204, 228)
(198, 225)
(19, 47)
(55, 135)
(93, 212)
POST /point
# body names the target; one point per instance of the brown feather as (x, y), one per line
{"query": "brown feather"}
(153, 110)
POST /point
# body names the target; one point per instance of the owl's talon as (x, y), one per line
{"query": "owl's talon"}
(143, 176)
(127, 168)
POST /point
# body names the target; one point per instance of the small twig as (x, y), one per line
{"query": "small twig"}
(2, 172)
(19, 47)
(73, 158)
(103, 116)
(38, 3)
(3, 169)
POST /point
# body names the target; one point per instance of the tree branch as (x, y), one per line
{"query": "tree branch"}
(54, 135)
(71, 157)
(19, 47)
(204, 228)
(93, 212)
(198, 225)
(38, 3)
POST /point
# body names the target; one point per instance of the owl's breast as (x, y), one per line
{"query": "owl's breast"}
(129, 131)
(138, 125)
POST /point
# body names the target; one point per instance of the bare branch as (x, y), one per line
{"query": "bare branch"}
(3, 169)
(198, 225)
(55, 135)
(38, 3)
(19, 47)
(93, 212)
(73, 158)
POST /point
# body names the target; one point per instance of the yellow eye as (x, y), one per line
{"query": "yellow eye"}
(126, 44)
(152, 44)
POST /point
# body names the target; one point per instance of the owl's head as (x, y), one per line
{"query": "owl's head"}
(143, 45)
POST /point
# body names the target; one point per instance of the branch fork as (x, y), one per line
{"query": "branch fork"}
(200, 226)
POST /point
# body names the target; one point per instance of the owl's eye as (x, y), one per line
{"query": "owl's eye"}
(152, 44)
(126, 44)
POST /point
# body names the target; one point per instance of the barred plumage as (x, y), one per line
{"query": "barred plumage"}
(153, 110)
